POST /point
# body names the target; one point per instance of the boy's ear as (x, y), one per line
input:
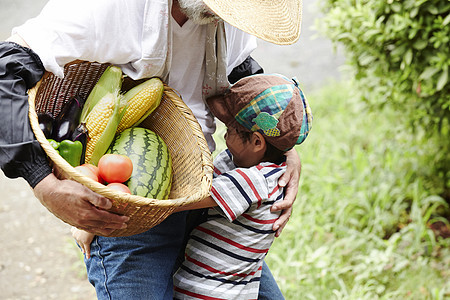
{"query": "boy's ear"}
(258, 142)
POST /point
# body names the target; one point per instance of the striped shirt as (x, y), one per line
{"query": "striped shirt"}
(224, 255)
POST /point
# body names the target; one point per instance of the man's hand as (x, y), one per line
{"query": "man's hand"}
(289, 180)
(78, 206)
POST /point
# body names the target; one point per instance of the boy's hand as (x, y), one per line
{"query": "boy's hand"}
(289, 180)
(84, 240)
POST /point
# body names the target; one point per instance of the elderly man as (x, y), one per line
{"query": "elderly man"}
(186, 43)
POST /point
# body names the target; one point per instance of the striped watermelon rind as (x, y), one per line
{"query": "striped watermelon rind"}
(152, 163)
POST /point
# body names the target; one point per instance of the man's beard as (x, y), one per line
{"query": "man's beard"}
(197, 11)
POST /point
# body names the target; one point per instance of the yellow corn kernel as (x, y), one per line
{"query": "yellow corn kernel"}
(109, 82)
(141, 101)
(97, 121)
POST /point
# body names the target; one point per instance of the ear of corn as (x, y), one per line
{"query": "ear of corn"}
(102, 124)
(107, 111)
(141, 101)
(109, 82)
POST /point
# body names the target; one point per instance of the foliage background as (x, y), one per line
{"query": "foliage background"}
(399, 51)
(372, 217)
(362, 222)
(399, 54)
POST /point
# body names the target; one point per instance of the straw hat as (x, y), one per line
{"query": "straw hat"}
(276, 21)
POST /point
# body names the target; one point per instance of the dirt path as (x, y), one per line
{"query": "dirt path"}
(40, 259)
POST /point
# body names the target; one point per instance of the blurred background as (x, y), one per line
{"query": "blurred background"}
(371, 218)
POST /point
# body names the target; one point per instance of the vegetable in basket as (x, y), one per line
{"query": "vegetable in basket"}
(109, 82)
(101, 114)
(81, 134)
(46, 123)
(71, 151)
(141, 100)
(85, 170)
(115, 168)
(107, 112)
(68, 120)
(102, 124)
(120, 187)
(152, 163)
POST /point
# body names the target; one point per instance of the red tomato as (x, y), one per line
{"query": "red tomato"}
(115, 168)
(119, 187)
(86, 171)
(94, 169)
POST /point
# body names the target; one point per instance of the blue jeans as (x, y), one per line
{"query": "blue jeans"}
(141, 266)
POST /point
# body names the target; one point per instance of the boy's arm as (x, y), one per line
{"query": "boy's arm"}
(204, 203)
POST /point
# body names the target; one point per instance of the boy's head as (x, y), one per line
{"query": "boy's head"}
(269, 104)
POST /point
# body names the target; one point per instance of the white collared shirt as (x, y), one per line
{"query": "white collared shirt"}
(135, 35)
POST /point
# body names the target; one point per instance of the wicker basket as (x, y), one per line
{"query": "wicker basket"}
(172, 120)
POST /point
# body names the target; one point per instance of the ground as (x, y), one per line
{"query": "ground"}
(40, 259)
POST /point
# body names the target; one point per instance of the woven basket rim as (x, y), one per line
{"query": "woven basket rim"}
(99, 188)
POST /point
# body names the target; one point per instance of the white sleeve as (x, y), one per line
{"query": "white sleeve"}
(239, 46)
(93, 30)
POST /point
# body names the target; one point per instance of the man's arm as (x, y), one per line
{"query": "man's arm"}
(22, 156)
(248, 67)
(18, 40)
(290, 180)
(20, 153)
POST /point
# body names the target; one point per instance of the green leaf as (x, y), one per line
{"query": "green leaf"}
(433, 9)
(370, 33)
(365, 59)
(412, 33)
(396, 7)
(428, 73)
(413, 13)
(398, 51)
(446, 20)
(408, 57)
(420, 44)
(443, 79)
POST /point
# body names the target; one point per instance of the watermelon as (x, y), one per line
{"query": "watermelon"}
(152, 164)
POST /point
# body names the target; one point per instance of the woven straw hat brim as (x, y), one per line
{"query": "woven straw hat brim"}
(275, 21)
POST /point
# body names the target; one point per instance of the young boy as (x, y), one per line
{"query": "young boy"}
(266, 115)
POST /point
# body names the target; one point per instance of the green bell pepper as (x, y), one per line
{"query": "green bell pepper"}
(54, 144)
(71, 151)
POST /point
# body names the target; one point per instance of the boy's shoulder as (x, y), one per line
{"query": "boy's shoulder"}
(270, 169)
(224, 163)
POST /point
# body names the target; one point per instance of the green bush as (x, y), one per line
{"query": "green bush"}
(400, 54)
(400, 51)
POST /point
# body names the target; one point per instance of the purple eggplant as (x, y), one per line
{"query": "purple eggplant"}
(81, 134)
(68, 120)
(46, 121)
